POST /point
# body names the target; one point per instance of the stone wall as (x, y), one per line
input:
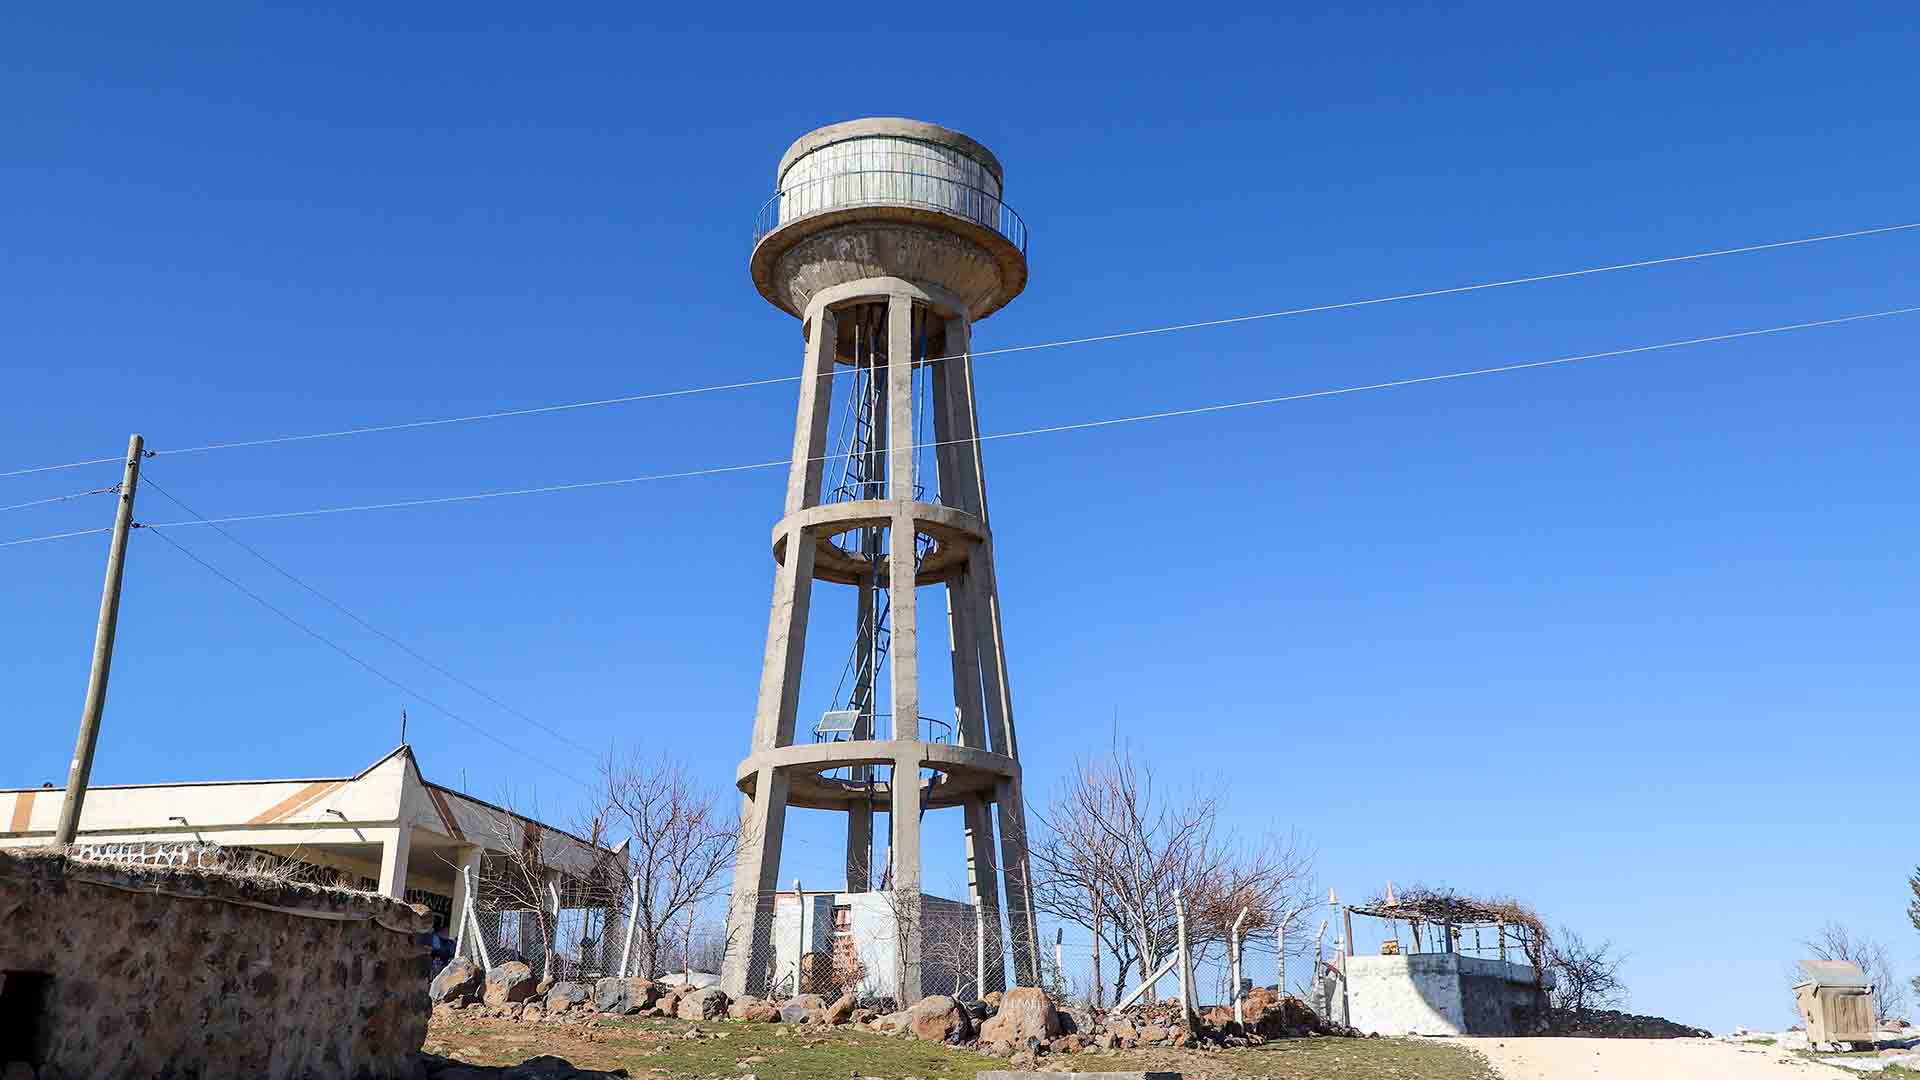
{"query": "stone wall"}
(138, 971)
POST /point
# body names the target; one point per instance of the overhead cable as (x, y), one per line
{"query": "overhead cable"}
(109, 489)
(363, 623)
(376, 672)
(624, 399)
(1074, 426)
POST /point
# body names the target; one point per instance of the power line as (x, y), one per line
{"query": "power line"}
(363, 623)
(1455, 290)
(109, 489)
(54, 536)
(376, 672)
(836, 371)
(62, 465)
(1074, 426)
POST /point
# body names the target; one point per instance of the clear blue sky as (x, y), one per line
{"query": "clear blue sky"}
(1608, 637)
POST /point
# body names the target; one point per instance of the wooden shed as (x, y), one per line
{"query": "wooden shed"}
(1836, 1002)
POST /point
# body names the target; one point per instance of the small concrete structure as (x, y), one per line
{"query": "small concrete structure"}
(1442, 993)
(889, 239)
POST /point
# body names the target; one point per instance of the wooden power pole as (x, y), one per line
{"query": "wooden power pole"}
(102, 652)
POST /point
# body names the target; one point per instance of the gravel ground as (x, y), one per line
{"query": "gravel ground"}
(1645, 1059)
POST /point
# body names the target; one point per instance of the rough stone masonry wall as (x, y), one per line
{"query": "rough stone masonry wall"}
(181, 973)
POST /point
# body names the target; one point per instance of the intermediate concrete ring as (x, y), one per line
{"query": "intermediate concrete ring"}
(961, 772)
(954, 533)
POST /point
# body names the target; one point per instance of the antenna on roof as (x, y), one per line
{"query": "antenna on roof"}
(403, 725)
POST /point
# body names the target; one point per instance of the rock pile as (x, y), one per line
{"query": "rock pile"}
(1022, 1024)
(435, 1067)
(1612, 1024)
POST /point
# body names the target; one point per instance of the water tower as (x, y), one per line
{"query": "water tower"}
(887, 238)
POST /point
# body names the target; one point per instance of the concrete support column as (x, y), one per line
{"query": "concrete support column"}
(793, 579)
(954, 375)
(756, 877)
(964, 646)
(983, 889)
(903, 655)
(900, 340)
(810, 425)
(977, 595)
(859, 847)
(1025, 928)
(396, 844)
(904, 651)
(905, 853)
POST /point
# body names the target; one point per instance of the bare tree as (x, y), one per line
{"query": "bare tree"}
(1835, 942)
(1586, 976)
(1112, 836)
(526, 863)
(681, 844)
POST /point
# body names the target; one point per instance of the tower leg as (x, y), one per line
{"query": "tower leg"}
(983, 879)
(1025, 930)
(905, 853)
(746, 968)
(859, 847)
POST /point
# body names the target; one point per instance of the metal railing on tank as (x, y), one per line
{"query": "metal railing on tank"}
(841, 725)
(889, 187)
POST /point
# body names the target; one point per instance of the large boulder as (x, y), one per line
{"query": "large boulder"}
(939, 1019)
(706, 1003)
(797, 1009)
(1025, 1013)
(753, 1011)
(562, 996)
(841, 1010)
(510, 983)
(459, 982)
(623, 997)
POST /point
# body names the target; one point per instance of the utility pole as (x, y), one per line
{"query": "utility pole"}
(102, 651)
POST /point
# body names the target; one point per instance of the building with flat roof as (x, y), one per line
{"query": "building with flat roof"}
(385, 829)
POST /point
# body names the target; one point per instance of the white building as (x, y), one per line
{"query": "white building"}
(386, 828)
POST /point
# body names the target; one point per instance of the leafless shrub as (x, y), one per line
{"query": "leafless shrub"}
(1587, 976)
(681, 843)
(1114, 847)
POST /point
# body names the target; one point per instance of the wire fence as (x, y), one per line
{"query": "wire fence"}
(879, 946)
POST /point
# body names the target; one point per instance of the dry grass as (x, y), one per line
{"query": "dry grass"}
(683, 1050)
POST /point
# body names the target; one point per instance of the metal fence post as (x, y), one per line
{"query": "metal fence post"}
(553, 939)
(1233, 957)
(473, 917)
(633, 916)
(1059, 965)
(1280, 951)
(800, 919)
(1183, 960)
(979, 952)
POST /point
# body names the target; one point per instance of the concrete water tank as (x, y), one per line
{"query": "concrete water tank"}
(889, 197)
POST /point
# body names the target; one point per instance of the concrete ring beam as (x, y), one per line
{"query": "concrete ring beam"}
(954, 534)
(999, 276)
(963, 771)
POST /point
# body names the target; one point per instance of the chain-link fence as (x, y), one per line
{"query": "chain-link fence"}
(882, 946)
(576, 931)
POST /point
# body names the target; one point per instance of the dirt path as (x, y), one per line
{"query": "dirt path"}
(1645, 1059)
